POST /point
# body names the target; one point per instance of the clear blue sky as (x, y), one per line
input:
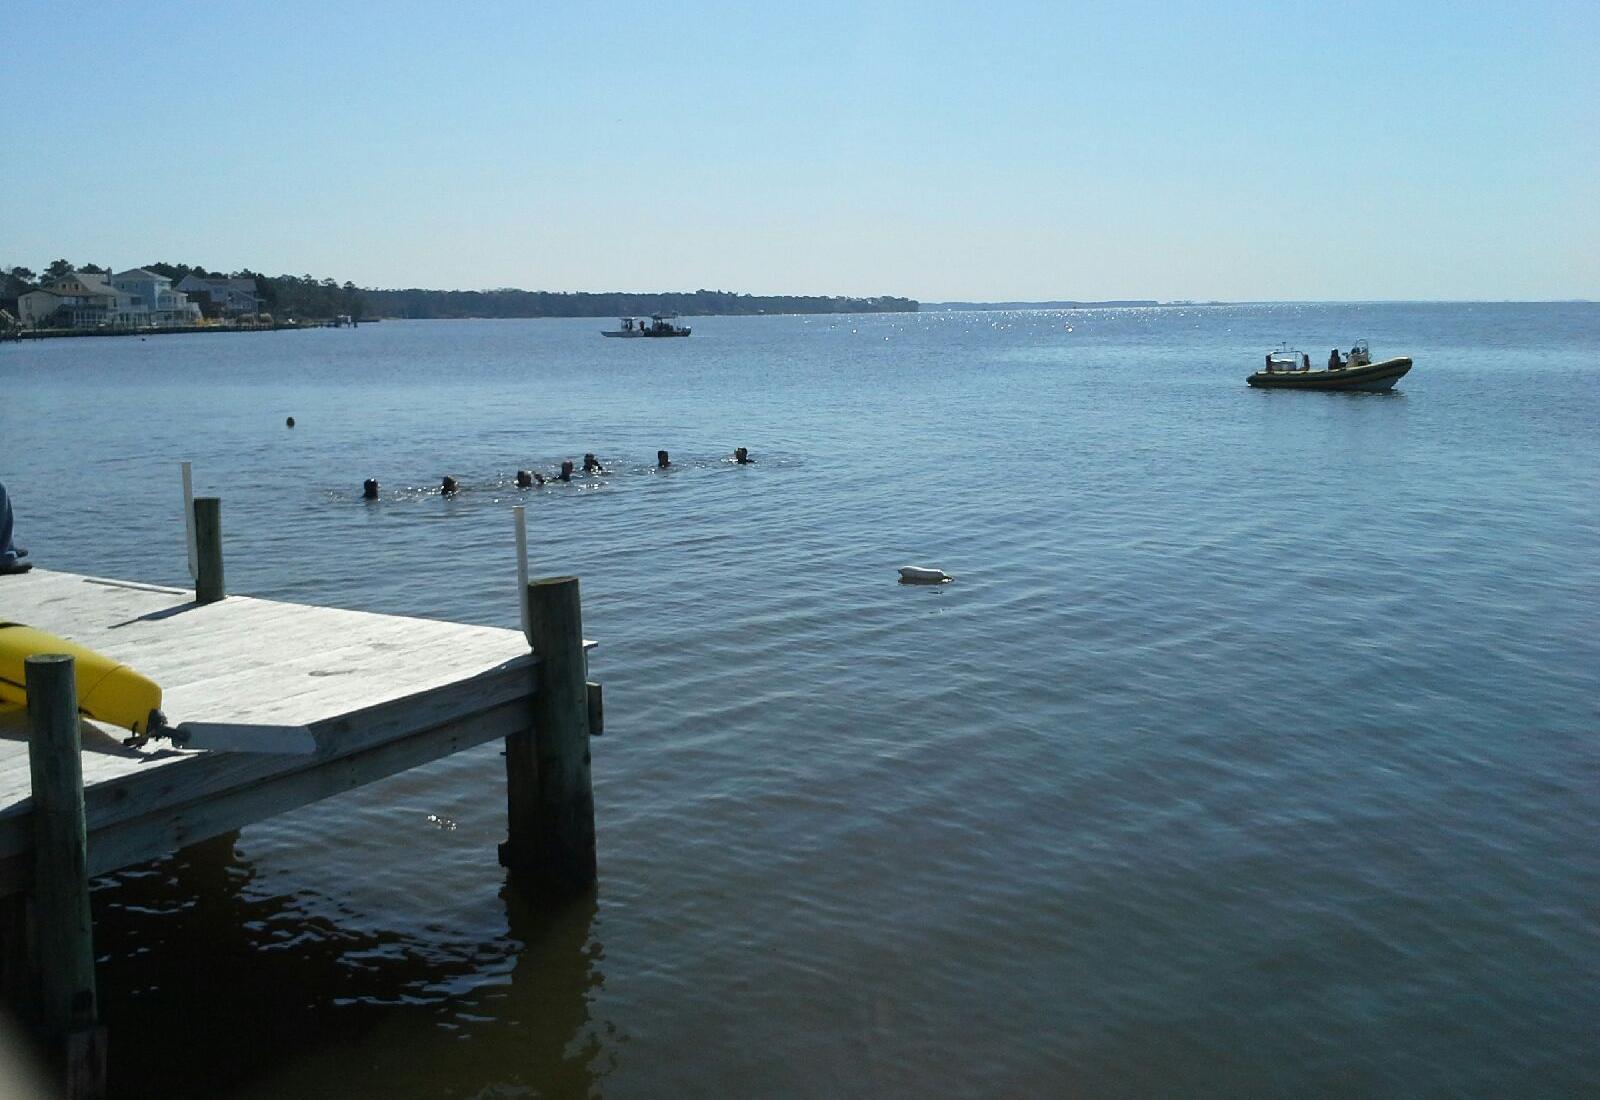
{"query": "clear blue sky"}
(991, 151)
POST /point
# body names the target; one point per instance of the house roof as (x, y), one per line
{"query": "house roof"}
(94, 284)
(218, 282)
(138, 271)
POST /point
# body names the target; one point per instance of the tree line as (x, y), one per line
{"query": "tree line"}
(306, 297)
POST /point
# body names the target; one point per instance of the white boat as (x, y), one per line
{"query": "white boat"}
(658, 324)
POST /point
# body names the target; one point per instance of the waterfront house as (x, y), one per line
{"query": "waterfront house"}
(136, 298)
(149, 299)
(73, 300)
(35, 307)
(226, 297)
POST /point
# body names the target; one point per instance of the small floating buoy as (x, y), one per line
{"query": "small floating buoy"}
(920, 574)
(289, 423)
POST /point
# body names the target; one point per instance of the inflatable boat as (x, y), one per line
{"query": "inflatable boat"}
(1287, 369)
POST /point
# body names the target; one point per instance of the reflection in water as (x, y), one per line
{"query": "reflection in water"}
(208, 991)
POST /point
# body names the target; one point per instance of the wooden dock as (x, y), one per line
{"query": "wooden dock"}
(379, 693)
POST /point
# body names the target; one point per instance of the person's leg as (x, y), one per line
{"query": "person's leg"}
(8, 553)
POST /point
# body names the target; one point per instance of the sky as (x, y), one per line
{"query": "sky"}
(997, 151)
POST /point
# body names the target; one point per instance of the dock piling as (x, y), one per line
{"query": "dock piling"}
(62, 928)
(208, 584)
(549, 798)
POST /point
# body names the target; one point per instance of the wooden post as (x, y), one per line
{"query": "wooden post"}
(208, 586)
(520, 522)
(550, 804)
(62, 929)
(188, 516)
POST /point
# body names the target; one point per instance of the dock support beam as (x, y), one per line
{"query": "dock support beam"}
(63, 932)
(550, 803)
(208, 586)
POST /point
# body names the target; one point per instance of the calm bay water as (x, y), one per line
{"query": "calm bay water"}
(1253, 751)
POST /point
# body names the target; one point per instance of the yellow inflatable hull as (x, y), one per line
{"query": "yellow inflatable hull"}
(107, 691)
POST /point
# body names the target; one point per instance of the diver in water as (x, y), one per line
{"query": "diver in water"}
(369, 489)
(527, 479)
(662, 461)
(591, 464)
(448, 486)
(566, 471)
(741, 455)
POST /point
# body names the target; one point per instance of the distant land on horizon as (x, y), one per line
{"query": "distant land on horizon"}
(421, 304)
(306, 297)
(1110, 304)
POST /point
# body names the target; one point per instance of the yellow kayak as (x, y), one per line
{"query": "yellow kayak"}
(107, 691)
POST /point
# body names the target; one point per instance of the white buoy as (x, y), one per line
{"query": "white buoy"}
(921, 574)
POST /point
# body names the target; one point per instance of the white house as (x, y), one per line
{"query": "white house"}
(148, 299)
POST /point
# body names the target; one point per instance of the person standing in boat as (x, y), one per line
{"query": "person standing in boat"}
(1305, 360)
(1334, 363)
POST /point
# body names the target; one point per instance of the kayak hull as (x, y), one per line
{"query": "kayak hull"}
(108, 691)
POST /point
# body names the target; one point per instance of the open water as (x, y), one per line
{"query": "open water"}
(1253, 751)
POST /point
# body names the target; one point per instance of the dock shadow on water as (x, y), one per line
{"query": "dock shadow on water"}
(188, 949)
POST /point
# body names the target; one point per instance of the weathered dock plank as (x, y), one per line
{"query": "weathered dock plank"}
(381, 694)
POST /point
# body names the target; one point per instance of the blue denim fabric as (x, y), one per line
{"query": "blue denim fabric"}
(8, 551)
